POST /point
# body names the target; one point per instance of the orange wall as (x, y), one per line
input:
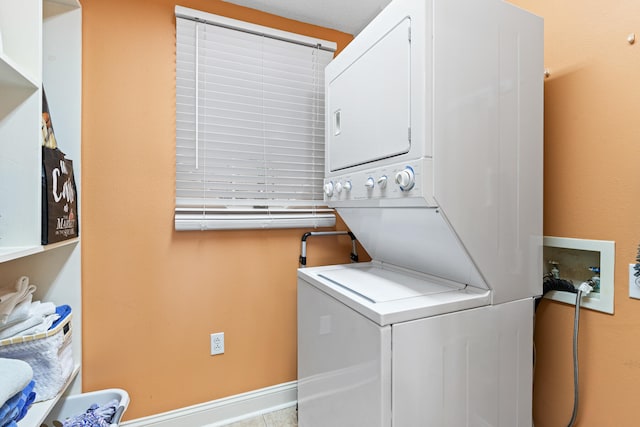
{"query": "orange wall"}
(592, 181)
(152, 296)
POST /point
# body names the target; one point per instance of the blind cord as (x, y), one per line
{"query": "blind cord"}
(315, 116)
(264, 141)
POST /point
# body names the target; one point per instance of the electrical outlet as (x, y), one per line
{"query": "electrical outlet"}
(217, 343)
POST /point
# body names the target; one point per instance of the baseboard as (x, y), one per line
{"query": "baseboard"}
(224, 411)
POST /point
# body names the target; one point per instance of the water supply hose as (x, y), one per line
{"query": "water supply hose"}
(585, 288)
(551, 283)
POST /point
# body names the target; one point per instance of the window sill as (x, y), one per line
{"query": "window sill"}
(191, 222)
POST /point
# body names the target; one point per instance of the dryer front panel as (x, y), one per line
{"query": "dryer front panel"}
(369, 103)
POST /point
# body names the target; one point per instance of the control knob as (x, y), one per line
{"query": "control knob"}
(328, 189)
(347, 186)
(382, 181)
(406, 178)
(338, 187)
(370, 183)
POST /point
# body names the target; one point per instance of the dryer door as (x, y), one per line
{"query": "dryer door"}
(368, 103)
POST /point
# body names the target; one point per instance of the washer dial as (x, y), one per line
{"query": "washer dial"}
(406, 178)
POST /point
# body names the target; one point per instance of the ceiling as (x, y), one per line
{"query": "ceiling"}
(349, 16)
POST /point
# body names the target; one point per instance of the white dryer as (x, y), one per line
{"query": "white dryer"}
(434, 161)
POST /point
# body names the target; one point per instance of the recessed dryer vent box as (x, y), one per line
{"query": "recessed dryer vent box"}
(575, 259)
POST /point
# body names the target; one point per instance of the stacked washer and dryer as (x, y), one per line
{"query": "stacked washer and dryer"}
(434, 154)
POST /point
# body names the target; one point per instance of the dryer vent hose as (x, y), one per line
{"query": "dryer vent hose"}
(551, 283)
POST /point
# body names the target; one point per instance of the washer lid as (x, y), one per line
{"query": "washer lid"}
(377, 285)
(386, 294)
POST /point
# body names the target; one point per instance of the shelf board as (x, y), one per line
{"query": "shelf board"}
(15, 85)
(55, 7)
(39, 411)
(67, 242)
(75, 4)
(11, 75)
(14, 252)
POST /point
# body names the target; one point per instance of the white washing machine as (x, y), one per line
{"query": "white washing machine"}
(434, 161)
(383, 347)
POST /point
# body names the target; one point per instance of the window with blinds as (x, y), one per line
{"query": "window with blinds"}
(249, 125)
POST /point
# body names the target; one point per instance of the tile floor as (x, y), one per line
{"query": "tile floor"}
(287, 417)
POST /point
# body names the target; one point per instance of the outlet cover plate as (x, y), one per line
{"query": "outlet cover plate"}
(217, 343)
(634, 283)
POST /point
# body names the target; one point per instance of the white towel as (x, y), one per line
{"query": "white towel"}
(39, 321)
(21, 312)
(15, 375)
(43, 326)
(9, 299)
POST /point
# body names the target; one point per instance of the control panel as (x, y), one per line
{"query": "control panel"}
(400, 181)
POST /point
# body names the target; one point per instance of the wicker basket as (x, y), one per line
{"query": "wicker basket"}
(49, 354)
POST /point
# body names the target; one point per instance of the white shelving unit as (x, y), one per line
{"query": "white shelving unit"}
(41, 47)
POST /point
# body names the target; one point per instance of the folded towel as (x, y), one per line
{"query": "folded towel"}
(9, 411)
(43, 326)
(21, 312)
(39, 321)
(15, 375)
(9, 299)
(16, 408)
(27, 397)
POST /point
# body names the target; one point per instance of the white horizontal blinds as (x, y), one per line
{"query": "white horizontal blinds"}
(249, 125)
